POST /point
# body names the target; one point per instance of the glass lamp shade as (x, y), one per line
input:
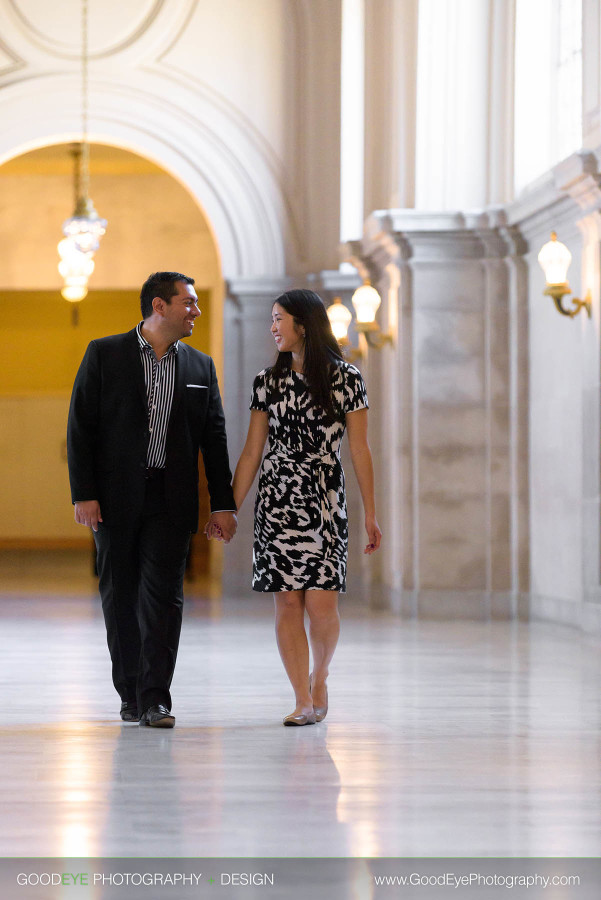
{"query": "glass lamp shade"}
(340, 319)
(555, 259)
(74, 263)
(75, 267)
(85, 227)
(74, 293)
(366, 301)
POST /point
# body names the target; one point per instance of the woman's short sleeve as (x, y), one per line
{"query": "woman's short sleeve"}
(355, 392)
(258, 398)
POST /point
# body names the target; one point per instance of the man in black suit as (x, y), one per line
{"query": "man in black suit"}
(143, 405)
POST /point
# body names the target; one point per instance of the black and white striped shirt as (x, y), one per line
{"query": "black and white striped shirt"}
(159, 376)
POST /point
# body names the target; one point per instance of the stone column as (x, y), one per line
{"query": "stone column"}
(313, 86)
(464, 104)
(448, 375)
(515, 320)
(390, 103)
(591, 74)
(501, 37)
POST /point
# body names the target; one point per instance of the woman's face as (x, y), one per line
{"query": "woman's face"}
(289, 336)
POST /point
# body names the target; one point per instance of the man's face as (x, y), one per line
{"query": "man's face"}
(180, 313)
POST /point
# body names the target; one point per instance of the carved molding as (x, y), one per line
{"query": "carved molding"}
(65, 49)
(9, 61)
(147, 30)
(579, 178)
(206, 151)
(250, 294)
(244, 125)
(395, 237)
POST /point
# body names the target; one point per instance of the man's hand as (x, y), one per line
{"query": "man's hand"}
(87, 512)
(221, 526)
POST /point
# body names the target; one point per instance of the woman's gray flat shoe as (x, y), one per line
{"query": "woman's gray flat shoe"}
(321, 711)
(304, 719)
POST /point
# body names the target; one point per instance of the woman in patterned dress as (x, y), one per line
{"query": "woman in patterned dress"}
(303, 404)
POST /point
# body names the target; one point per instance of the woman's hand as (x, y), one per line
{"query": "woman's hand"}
(221, 526)
(213, 531)
(373, 533)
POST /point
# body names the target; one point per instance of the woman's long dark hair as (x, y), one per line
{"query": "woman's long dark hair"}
(321, 347)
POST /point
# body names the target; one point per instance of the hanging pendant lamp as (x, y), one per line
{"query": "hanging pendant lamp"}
(84, 228)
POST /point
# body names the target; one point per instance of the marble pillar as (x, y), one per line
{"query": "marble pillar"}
(488, 423)
(450, 419)
(591, 74)
(390, 103)
(464, 131)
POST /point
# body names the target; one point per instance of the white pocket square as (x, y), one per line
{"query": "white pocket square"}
(204, 387)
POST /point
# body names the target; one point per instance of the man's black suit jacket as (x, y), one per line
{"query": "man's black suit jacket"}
(107, 433)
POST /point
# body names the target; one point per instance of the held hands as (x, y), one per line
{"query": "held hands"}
(373, 533)
(87, 512)
(221, 526)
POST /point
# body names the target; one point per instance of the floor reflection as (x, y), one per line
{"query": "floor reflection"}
(443, 739)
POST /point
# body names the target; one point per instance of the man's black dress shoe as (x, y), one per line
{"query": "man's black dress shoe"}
(157, 717)
(129, 711)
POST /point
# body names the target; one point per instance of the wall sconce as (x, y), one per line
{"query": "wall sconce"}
(340, 319)
(555, 259)
(366, 301)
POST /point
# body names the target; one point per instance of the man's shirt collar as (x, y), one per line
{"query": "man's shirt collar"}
(146, 347)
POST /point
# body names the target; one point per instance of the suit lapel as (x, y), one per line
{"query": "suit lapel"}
(181, 362)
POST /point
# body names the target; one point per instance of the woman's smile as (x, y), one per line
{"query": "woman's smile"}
(286, 333)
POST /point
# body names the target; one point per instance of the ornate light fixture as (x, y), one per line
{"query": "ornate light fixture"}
(76, 264)
(555, 259)
(84, 228)
(366, 301)
(340, 319)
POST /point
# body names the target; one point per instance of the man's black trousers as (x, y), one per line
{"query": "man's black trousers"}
(141, 565)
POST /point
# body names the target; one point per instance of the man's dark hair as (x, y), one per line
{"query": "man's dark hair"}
(160, 284)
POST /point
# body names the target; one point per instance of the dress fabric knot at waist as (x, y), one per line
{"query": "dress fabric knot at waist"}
(316, 466)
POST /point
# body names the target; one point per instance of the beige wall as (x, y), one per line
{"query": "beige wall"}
(36, 508)
(153, 223)
(257, 36)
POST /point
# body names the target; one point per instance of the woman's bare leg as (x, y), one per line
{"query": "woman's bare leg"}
(293, 646)
(322, 607)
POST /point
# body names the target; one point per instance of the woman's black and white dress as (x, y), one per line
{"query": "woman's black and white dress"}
(301, 530)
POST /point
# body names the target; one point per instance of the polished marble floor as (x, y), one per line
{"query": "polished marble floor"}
(443, 739)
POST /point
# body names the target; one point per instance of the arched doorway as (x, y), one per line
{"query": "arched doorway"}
(215, 153)
(154, 224)
(203, 144)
